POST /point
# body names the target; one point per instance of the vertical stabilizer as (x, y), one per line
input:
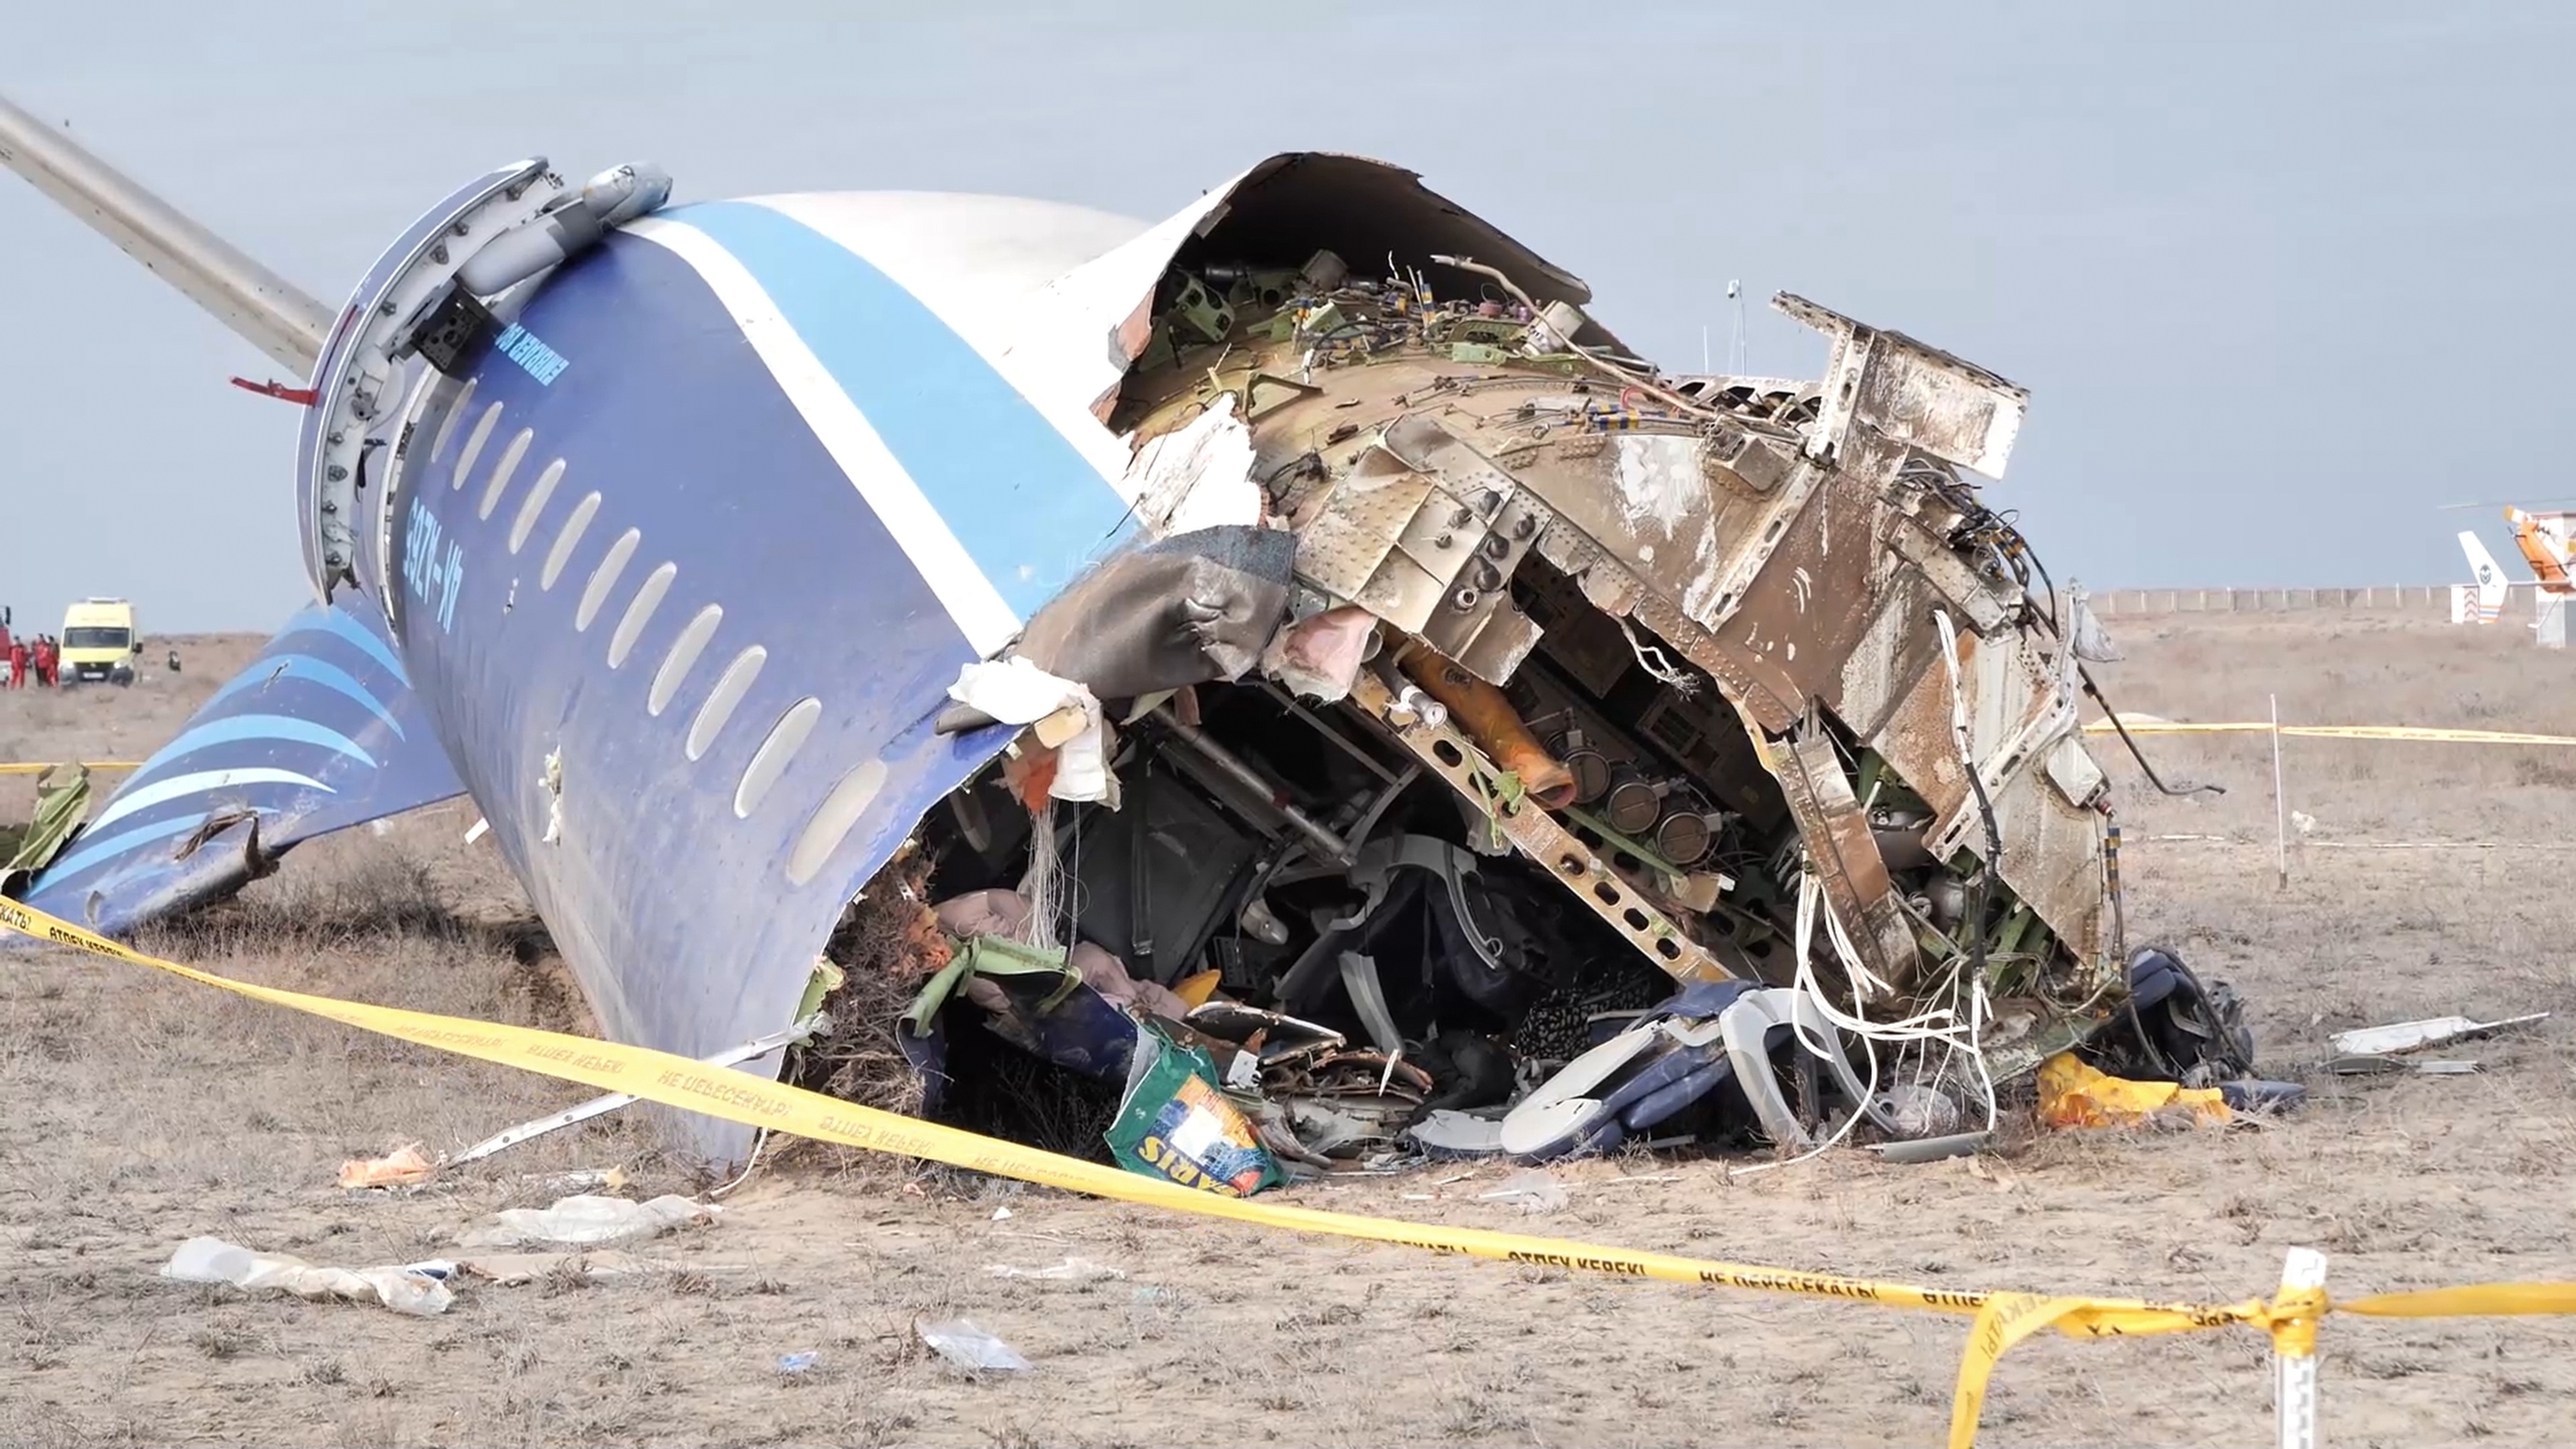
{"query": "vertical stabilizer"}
(2486, 600)
(2542, 547)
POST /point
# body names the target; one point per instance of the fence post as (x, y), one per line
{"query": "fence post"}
(2280, 802)
(2294, 1357)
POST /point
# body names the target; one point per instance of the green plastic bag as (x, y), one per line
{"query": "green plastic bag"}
(1174, 1123)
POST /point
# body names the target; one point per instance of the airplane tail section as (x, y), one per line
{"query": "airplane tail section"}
(2485, 600)
(320, 733)
(2536, 544)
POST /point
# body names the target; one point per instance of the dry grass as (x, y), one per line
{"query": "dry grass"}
(887, 945)
(143, 1110)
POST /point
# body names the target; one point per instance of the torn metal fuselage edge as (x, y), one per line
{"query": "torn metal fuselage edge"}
(1799, 545)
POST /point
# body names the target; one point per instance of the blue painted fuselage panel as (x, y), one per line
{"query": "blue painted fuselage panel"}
(664, 881)
(675, 911)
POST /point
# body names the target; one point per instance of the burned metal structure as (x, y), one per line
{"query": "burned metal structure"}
(1610, 664)
(1295, 638)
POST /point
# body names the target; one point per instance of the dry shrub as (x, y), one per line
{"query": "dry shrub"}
(2533, 770)
(1001, 1091)
(886, 945)
(350, 899)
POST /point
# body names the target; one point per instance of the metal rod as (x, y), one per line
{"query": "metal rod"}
(601, 1106)
(1349, 746)
(270, 312)
(1368, 820)
(1233, 767)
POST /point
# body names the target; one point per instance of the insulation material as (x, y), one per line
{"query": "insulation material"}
(1199, 475)
(419, 1289)
(1014, 691)
(2072, 1094)
(1318, 657)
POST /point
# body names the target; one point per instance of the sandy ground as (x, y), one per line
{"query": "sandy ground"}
(141, 1110)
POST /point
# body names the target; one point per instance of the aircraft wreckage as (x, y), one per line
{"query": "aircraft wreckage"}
(1292, 647)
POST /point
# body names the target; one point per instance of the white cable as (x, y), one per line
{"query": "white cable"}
(1661, 664)
(1807, 890)
(1043, 884)
(1940, 1024)
(1976, 989)
(748, 1163)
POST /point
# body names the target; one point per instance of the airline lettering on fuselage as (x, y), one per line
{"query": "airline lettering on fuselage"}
(433, 574)
(535, 358)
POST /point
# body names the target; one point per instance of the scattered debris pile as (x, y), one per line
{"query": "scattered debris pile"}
(1494, 745)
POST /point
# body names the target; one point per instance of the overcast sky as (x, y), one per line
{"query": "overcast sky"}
(2281, 277)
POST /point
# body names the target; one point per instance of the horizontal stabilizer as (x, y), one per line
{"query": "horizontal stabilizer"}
(320, 733)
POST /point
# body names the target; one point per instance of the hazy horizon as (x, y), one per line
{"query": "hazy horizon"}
(2223, 246)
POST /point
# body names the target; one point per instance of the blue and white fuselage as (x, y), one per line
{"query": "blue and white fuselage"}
(680, 571)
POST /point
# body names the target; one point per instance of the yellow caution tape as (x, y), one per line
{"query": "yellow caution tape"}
(2293, 1319)
(2336, 732)
(2001, 1319)
(37, 767)
(2477, 1300)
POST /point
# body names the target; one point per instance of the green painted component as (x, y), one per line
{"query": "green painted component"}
(2053, 1033)
(1492, 331)
(1269, 287)
(1644, 853)
(1321, 321)
(827, 978)
(2008, 936)
(990, 956)
(62, 803)
(1200, 310)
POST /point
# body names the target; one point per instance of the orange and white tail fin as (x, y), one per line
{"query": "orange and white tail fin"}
(2540, 551)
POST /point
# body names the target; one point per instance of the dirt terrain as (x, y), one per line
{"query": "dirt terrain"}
(141, 1110)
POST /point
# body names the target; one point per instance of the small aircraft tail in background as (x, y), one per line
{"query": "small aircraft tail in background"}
(2543, 539)
(2483, 601)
